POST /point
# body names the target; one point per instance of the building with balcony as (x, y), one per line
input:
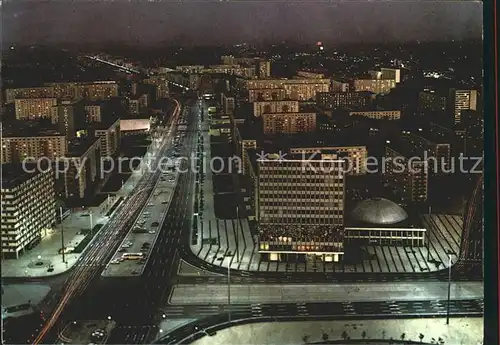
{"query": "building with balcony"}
(270, 107)
(109, 135)
(288, 123)
(295, 89)
(28, 207)
(255, 95)
(32, 143)
(34, 108)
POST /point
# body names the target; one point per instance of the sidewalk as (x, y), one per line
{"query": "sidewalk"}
(36, 262)
(466, 331)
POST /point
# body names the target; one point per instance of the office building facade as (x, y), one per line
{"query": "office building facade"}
(300, 207)
(270, 107)
(34, 108)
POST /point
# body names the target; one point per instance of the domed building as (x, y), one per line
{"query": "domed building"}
(378, 211)
(381, 221)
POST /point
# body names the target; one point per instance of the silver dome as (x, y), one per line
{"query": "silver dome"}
(378, 211)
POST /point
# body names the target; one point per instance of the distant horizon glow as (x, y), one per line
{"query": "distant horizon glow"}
(213, 23)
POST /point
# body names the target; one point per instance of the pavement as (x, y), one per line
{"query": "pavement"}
(36, 262)
(81, 332)
(157, 206)
(17, 294)
(279, 293)
(460, 331)
(228, 235)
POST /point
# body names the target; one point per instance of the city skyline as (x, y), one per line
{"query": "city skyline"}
(189, 22)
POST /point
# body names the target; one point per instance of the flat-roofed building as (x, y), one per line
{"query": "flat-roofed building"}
(34, 108)
(378, 114)
(296, 89)
(83, 167)
(301, 206)
(28, 207)
(93, 91)
(406, 170)
(270, 107)
(377, 86)
(29, 92)
(255, 95)
(463, 100)
(69, 117)
(344, 100)
(18, 146)
(94, 112)
(382, 222)
(288, 123)
(264, 68)
(109, 134)
(356, 155)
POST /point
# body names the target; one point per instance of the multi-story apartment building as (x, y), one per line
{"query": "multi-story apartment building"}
(463, 100)
(69, 117)
(161, 83)
(255, 95)
(301, 207)
(16, 147)
(264, 68)
(94, 111)
(288, 123)
(296, 89)
(109, 134)
(356, 156)
(340, 86)
(378, 114)
(93, 91)
(344, 100)
(34, 108)
(406, 170)
(310, 74)
(82, 171)
(377, 86)
(438, 152)
(269, 107)
(228, 103)
(429, 100)
(30, 92)
(28, 207)
(190, 68)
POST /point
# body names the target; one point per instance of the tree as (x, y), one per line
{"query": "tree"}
(421, 337)
(383, 334)
(325, 336)
(403, 336)
(344, 335)
(363, 335)
(305, 338)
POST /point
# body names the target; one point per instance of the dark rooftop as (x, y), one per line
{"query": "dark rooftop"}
(79, 146)
(14, 175)
(30, 129)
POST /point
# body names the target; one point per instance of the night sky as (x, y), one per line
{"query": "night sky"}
(197, 22)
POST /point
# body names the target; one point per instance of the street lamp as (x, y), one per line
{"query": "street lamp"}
(91, 225)
(449, 287)
(228, 288)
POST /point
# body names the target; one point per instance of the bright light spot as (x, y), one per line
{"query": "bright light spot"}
(420, 129)
(164, 316)
(388, 141)
(161, 330)
(109, 317)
